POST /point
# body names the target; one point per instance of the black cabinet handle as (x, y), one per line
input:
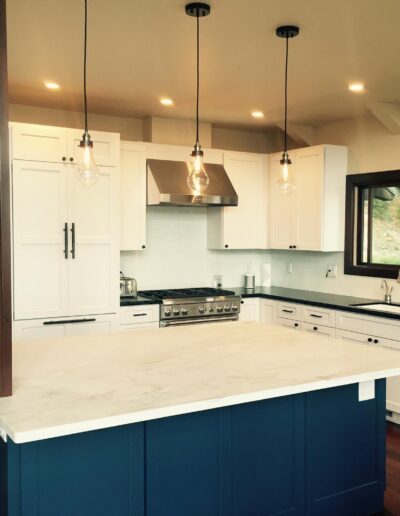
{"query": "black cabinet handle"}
(71, 159)
(376, 341)
(317, 316)
(143, 247)
(64, 158)
(315, 328)
(68, 321)
(138, 315)
(65, 241)
(369, 339)
(296, 324)
(290, 247)
(226, 246)
(242, 302)
(295, 247)
(287, 311)
(73, 240)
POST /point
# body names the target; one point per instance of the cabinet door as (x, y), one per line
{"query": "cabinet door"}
(94, 268)
(105, 147)
(250, 309)
(245, 225)
(268, 311)
(289, 323)
(39, 217)
(98, 325)
(280, 209)
(133, 196)
(36, 330)
(38, 142)
(308, 167)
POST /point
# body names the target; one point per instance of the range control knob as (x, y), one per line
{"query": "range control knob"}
(184, 311)
(227, 308)
(235, 308)
(201, 310)
(219, 309)
(176, 311)
(211, 309)
(167, 312)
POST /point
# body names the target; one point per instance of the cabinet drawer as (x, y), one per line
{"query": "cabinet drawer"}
(139, 326)
(317, 328)
(367, 339)
(289, 323)
(139, 314)
(372, 326)
(319, 316)
(291, 311)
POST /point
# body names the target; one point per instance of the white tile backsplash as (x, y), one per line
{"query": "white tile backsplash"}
(176, 254)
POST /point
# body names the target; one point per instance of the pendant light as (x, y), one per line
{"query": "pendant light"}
(87, 169)
(198, 179)
(286, 182)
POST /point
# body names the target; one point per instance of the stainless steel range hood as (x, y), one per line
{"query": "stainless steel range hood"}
(167, 185)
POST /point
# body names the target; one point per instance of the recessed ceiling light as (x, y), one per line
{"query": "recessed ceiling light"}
(357, 87)
(52, 85)
(257, 114)
(166, 101)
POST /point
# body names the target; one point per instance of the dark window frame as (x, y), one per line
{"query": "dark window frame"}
(353, 234)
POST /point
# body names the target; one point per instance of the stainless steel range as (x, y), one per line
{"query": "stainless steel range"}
(195, 305)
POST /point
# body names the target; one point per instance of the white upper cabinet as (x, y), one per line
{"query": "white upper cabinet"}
(133, 196)
(243, 226)
(65, 238)
(312, 218)
(38, 142)
(60, 145)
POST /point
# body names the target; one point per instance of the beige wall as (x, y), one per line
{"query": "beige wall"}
(155, 129)
(372, 147)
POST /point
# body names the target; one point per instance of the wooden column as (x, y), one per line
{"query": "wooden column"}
(5, 240)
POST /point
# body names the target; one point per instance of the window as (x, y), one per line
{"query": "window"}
(372, 245)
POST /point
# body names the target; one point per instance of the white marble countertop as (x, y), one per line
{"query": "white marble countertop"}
(70, 385)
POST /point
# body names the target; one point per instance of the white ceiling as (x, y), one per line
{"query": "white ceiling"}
(140, 50)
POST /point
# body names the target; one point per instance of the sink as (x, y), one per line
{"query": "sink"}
(381, 307)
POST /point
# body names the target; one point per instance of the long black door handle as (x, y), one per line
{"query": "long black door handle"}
(73, 240)
(68, 321)
(317, 316)
(66, 240)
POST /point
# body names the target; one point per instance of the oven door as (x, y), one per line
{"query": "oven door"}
(198, 320)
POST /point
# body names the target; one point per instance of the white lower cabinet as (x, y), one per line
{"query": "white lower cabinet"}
(318, 329)
(39, 329)
(289, 323)
(250, 309)
(268, 311)
(139, 317)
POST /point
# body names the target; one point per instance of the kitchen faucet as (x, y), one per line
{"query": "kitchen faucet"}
(389, 289)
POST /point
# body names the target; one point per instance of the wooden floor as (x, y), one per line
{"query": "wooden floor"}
(392, 494)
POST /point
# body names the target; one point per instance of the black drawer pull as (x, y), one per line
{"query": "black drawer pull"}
(376, 341)
(67, 321)
(315, 328)
(296, 324)
(317, 316)
(287, 311)
(138, 315)
(369, 339)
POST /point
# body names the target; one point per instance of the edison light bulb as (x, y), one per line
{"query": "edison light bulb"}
(198, 179)
(87, 169)
(286, 182)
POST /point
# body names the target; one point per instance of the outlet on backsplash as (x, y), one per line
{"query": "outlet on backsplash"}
(331, 271)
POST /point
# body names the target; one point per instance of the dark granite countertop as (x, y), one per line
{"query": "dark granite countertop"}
(321, 299)
(304, 297)
(133, 301)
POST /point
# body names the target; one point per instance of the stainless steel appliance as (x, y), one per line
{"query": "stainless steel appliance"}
(195, 305)
(167, 185)
(127, 286)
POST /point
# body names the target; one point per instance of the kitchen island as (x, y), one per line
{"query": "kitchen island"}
(219, 419)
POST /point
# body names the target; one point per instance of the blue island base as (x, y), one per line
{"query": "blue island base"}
(319, 453)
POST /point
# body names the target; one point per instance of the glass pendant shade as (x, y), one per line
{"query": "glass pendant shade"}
(88, 171)
(286, 182)
(198, 179)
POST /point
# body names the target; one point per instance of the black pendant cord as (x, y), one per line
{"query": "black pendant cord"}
(84, 69)
(286, 91)
(198, 81)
